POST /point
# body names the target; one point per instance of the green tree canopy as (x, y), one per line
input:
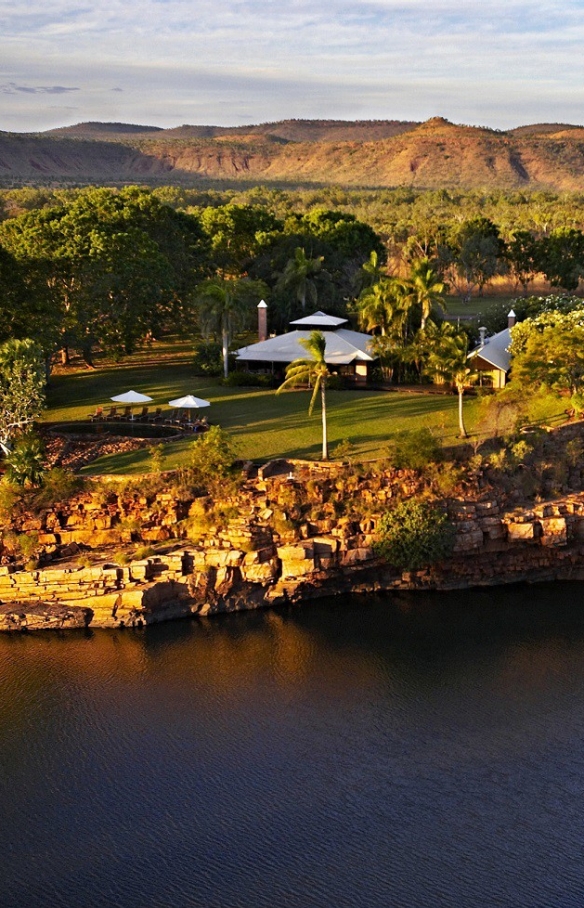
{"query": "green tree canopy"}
(22, 384)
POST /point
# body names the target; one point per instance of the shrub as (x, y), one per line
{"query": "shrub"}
(156, 453)
(28, 546)
(335, 382)
(414, 534)
(414, 449)
(344, 450)
(208, 359)
(239, 378)
(26, 461)
(212, 457)
(9, 496)
(58, 485)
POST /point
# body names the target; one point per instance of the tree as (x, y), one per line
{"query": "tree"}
(523, 254)
(477, 254)
(224, 307)
(383, 306)
(299, 277)
(103, 245)
(447, 361)
(21, 388)
(371, 271)
(562, 257)
(312, 371)
(549, 350)
(425, 288)
(238, 233)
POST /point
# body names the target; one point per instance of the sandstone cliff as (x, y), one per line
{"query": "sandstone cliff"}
(260, 557)
(434, 154)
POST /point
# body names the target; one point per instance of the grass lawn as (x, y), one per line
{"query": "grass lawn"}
(262, 425)
(478, 305)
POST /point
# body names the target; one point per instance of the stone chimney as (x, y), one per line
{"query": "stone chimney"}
(511, 319)
(262, 320)
(483, 336)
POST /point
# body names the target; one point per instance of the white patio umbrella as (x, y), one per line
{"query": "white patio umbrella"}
(131, 397)
(189, 402)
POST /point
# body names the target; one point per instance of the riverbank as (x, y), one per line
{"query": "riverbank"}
(260, 555)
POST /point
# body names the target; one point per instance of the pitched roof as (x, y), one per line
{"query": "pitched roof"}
(495, 350)
(319, 320)
(342, 347)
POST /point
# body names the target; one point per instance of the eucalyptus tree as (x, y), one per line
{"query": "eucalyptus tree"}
(312, 371)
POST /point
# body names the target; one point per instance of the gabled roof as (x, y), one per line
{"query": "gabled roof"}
(319, 320)
(495, 350)
(342, 347)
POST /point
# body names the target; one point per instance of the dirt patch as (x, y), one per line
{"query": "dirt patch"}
(74, 453)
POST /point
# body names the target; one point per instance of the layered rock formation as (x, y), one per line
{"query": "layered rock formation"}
(267, 556)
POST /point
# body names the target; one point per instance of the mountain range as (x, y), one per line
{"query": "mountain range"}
(373, 154)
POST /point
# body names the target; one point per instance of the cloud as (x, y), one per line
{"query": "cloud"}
(226, 59)
(11, 88)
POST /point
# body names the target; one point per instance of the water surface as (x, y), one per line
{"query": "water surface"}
(414, 751)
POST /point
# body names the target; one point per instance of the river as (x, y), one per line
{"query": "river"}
(412, 751)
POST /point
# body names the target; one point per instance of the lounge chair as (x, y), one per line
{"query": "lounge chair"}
(156, 416)
(127, 414)
(97, 415)
(113, 413)
(143, 414)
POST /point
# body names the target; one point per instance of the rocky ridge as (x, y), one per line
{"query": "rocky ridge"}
(434, 154)
(260, 557)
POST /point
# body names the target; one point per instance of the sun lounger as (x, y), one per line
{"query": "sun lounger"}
(113, 413)
(143, 415)
(97, 415)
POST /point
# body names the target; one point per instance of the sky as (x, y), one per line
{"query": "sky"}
(501, 63)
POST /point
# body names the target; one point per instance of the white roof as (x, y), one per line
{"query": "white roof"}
(319, 320)
(342, 347)
(495, 350)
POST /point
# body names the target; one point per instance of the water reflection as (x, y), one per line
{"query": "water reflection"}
(417, 750)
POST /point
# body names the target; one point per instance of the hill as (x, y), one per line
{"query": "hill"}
(384, 153)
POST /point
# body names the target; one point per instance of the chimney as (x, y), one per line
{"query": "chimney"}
(511, 319)
(262, 320)
(483, 336)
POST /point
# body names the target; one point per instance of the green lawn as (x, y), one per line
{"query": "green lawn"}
(478, 305)
(262, 424)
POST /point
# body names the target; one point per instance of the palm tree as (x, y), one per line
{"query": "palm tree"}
(224, 306)
(426, 288)
(371, 271)
(299, 274)
(447, 361)
(383, 306)
(312, 371)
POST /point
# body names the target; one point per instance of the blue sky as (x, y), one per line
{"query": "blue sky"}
(167, 62)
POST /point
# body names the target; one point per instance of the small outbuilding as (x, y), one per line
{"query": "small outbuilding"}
(491, 359)
(347, 352)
